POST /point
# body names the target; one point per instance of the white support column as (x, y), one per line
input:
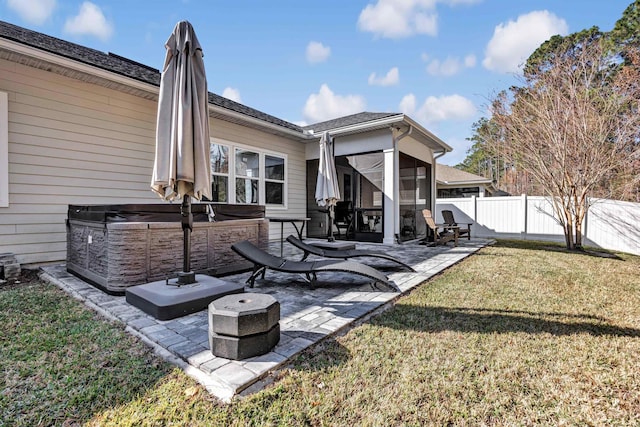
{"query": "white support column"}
(391, 196)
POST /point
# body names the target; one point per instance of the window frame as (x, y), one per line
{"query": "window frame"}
(226, 175)
(250, 178)
(283, 181)
(262, 180)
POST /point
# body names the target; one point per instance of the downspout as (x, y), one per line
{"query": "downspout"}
(433, 177)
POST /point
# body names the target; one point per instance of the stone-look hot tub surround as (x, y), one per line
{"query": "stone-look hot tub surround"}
(118, 246)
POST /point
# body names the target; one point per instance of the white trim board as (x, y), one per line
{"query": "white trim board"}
(4, 150)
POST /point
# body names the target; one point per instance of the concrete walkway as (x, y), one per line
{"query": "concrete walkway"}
(307, 316)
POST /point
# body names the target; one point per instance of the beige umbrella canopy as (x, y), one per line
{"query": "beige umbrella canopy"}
(182, 167)
(327, 189)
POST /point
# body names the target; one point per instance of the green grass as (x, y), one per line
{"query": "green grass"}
(521, 333)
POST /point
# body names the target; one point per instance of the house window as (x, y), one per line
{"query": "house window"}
(4, 150)
(247, 176)
(274, 180)
(219, 173)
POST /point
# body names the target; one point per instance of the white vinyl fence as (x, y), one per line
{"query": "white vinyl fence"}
(609, 224)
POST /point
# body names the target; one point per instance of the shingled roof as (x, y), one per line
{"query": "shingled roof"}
(452, 176)
(122, 66)
(348, 121)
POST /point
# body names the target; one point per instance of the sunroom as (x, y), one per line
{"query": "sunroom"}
(386, 173)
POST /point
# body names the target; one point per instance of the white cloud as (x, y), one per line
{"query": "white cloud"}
(512, 43)
(33, 11)
(451, 107)
(317, 52)
(403, 18)
(390, 79)
(443, 108)
(426, 23)
(450, 66)
(232, 94)
(408, 104)
(89, 21)
(399, 18)
(325, 105)
(470, 61)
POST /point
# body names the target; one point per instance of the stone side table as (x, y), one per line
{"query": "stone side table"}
(243, 325)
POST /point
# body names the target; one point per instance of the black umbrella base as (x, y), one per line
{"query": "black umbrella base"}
(167, 301)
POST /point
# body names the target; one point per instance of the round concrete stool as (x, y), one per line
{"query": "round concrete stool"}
(243, 325)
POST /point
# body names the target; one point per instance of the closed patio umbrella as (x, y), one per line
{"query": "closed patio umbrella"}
(327, 189)
(182, 167)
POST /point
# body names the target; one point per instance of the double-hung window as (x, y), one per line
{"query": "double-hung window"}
(274, 180)
(246, 175)
(219, 173)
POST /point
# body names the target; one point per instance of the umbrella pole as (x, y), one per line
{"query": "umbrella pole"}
(330, 237)
(187, 276)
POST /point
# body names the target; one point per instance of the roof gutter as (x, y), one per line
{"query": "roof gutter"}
(384, 122)
(440, 154)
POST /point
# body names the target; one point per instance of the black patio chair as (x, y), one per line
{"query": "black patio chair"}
(263, 260)
(344, 218)
(342, 254)
(450, 220)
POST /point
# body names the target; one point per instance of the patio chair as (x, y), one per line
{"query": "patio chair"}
(344, 218)
(343, 254)
(447, 234)
(262, 261)
(450, 220)
(408, 224)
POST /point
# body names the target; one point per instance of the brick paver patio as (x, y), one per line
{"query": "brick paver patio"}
(307, 315)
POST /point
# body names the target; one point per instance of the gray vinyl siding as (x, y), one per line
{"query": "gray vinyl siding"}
(76, 143)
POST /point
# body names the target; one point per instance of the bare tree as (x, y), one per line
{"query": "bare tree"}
(573, 126)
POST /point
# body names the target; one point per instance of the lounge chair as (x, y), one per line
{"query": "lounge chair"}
(342, 254)
(450, 220)
(262, 261)
(447, 234)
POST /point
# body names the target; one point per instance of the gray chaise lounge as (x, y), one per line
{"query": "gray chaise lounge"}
(342, 254)
(262, 261)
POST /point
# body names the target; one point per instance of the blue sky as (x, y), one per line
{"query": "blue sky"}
(306, 61)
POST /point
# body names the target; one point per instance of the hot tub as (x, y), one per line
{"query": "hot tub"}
(117, 246)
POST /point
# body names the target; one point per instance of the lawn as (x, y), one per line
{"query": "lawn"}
(522, 333)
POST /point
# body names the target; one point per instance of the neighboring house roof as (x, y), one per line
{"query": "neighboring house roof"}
(452, 176)
(113, 71)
